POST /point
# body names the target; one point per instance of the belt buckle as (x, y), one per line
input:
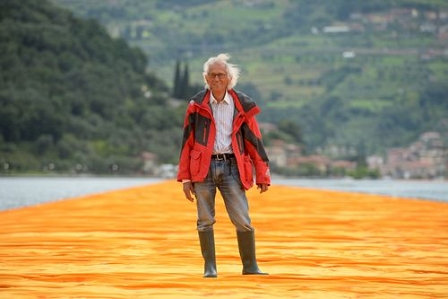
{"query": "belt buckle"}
(220, 159)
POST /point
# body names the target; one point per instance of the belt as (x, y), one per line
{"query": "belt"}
(224, 157)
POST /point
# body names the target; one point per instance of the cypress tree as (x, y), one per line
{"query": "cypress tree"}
(177, 80)
(185, 82)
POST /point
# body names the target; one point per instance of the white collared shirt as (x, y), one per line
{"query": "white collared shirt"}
(223, 115)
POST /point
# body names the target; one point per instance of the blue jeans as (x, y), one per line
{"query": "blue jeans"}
(224, 176)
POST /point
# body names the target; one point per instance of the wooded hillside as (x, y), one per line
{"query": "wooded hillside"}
(74, 99)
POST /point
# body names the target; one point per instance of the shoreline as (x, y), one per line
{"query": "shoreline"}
(16, 192)
(274, 176)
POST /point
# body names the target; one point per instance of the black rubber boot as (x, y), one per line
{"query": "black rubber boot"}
(207, 240)
(246, 246)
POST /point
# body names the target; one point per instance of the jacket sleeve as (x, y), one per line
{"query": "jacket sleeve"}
(187, 144)
(254, 145)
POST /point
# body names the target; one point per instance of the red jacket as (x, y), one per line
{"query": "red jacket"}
(199, 137)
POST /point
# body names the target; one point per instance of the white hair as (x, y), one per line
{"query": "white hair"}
(232, 70)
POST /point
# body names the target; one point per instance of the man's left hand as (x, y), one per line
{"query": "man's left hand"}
(263, 187)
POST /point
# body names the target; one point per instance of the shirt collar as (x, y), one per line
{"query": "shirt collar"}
(226, 98)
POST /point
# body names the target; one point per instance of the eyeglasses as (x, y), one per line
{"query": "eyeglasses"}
(219, 75)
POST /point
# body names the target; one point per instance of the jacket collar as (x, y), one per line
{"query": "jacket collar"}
(243, 104)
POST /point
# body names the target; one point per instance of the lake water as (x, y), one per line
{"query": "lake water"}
(25, 191)
(431, 190)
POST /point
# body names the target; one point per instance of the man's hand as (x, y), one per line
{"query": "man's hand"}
(189, 190)
(263, 187)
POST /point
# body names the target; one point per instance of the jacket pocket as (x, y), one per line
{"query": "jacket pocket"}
(202, 130)
(248, 169)
(195, 162)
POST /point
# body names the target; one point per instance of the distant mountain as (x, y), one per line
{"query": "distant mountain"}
(73, 99)
(355, 74)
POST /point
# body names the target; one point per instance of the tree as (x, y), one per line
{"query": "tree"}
(185, 82)
(181, 86)
(177, 80)
(291, 128)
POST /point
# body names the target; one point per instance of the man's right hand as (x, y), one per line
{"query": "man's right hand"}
(189, 190)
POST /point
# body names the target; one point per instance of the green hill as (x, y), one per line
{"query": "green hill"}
(75, 100)
(348, 72)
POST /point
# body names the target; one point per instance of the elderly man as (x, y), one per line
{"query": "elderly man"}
(220, 149)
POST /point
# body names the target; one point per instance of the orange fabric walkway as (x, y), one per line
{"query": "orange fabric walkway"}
(141, 243)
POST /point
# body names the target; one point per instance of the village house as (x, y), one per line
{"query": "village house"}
(427, 158)
(282, 154)
(149, 162)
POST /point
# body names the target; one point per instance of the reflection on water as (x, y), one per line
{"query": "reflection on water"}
(25, 191)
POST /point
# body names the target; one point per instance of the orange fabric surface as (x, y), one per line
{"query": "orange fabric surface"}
(141, 243)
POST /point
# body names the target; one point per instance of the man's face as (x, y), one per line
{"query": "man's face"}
(217, 77)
